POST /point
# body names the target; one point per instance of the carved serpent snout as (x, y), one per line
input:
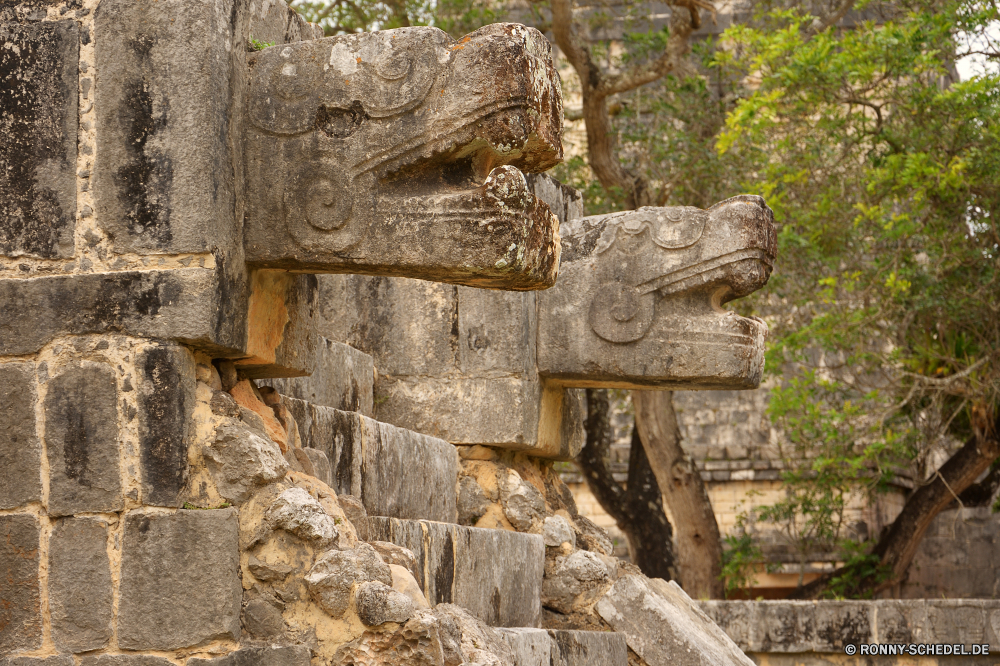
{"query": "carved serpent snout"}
(645, 255)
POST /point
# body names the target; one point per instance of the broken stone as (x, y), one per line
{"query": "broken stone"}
(320, 465)
(262, 619)
(268, 573)
(124, 660)
(396, 555)
(557, 531)
(245, 395)
(523, 505)
(241, 460)
(60, 660)
(531, 647)
(404, 582)
(20, 612)
(472, 501)
(331, 578)
(296, 511)
(180, 583)
(663, 626)
(378, 603)
(327, 192)
(222, 404)
(417, 643)
(81, 426)
(80, 585)
(20, 450)
(479, 643)
(575, 581)
(355, 512)
(590, 536)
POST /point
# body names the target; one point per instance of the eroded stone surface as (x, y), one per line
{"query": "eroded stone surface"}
(240, 460)
(663, 626)
(378, 603)
(81, 433)
(331, 578)
(470, 567)
(80, 584)
(296, 511)
(180, 581)
(588, 648)
(295, 655)
(531, 647)
(20, 613)
(359, 186)
(38, 118)
(20, 450)
(395, 472)
(341, 378)
(123, 660)
(637, 304)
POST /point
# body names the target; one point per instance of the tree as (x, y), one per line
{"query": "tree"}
(884, 173)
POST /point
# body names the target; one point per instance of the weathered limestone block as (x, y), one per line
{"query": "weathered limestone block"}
(330, 580)
(241, 459)
(342, 378)
(180, 583)
(378, 603)
(20, 450)
(294, 655)
(395, 472)
(588, 648)
(166, 400)
(638, 304)
(296, 511)
(355, 166)
(577, 580)
(20, 612)
(663, 626)
(531, 647)
(38, 119)
(81, 435)
(124, 660)
(59, 660)
(471, 567)
(80, 584)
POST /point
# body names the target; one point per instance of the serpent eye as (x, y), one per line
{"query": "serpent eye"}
(392, 66)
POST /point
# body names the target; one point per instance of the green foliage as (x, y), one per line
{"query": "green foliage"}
(257, 45)
(742, 557)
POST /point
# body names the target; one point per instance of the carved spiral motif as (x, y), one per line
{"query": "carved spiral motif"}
(619, 313)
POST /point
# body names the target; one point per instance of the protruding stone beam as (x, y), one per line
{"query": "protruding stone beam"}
(400, 153)
(638, 303)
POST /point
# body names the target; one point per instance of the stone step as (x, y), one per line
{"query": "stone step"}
(342, 378)
(559, 647)
(395, 472)
(494, 574)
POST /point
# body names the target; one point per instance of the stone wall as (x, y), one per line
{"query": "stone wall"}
(819, 633)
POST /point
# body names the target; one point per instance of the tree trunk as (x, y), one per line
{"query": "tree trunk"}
(638, 508)
(699, 545)
(899, 544)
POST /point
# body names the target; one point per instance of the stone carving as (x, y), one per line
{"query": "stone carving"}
(398, 153)
(639, 302)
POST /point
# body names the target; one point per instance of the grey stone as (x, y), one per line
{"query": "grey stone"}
(788, 626)
(523, 505)
(531, 647)
(59, 660)
(470, 567)
(320, 464)
(556, 531)
(240, 460)
(268, 573)
(20, 612)
(478, 643)
(298, 512)
(565, 201)
(419, 642)
(166, 388)
(163, 180)
(588, 648)
(840, 623)
(337, 192)
(576, 581)
(662, 625)
(38, 118)
(333, 574)
(180, 584)
(80, 585)
(293, 655)
(81, 435)
(393, 554)
(124, 660)
(355, 512)
(20, 450)
(395, 472)
(342, 378)
(262, 619)
(472, 501)
(378, 603)
(634, 302)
